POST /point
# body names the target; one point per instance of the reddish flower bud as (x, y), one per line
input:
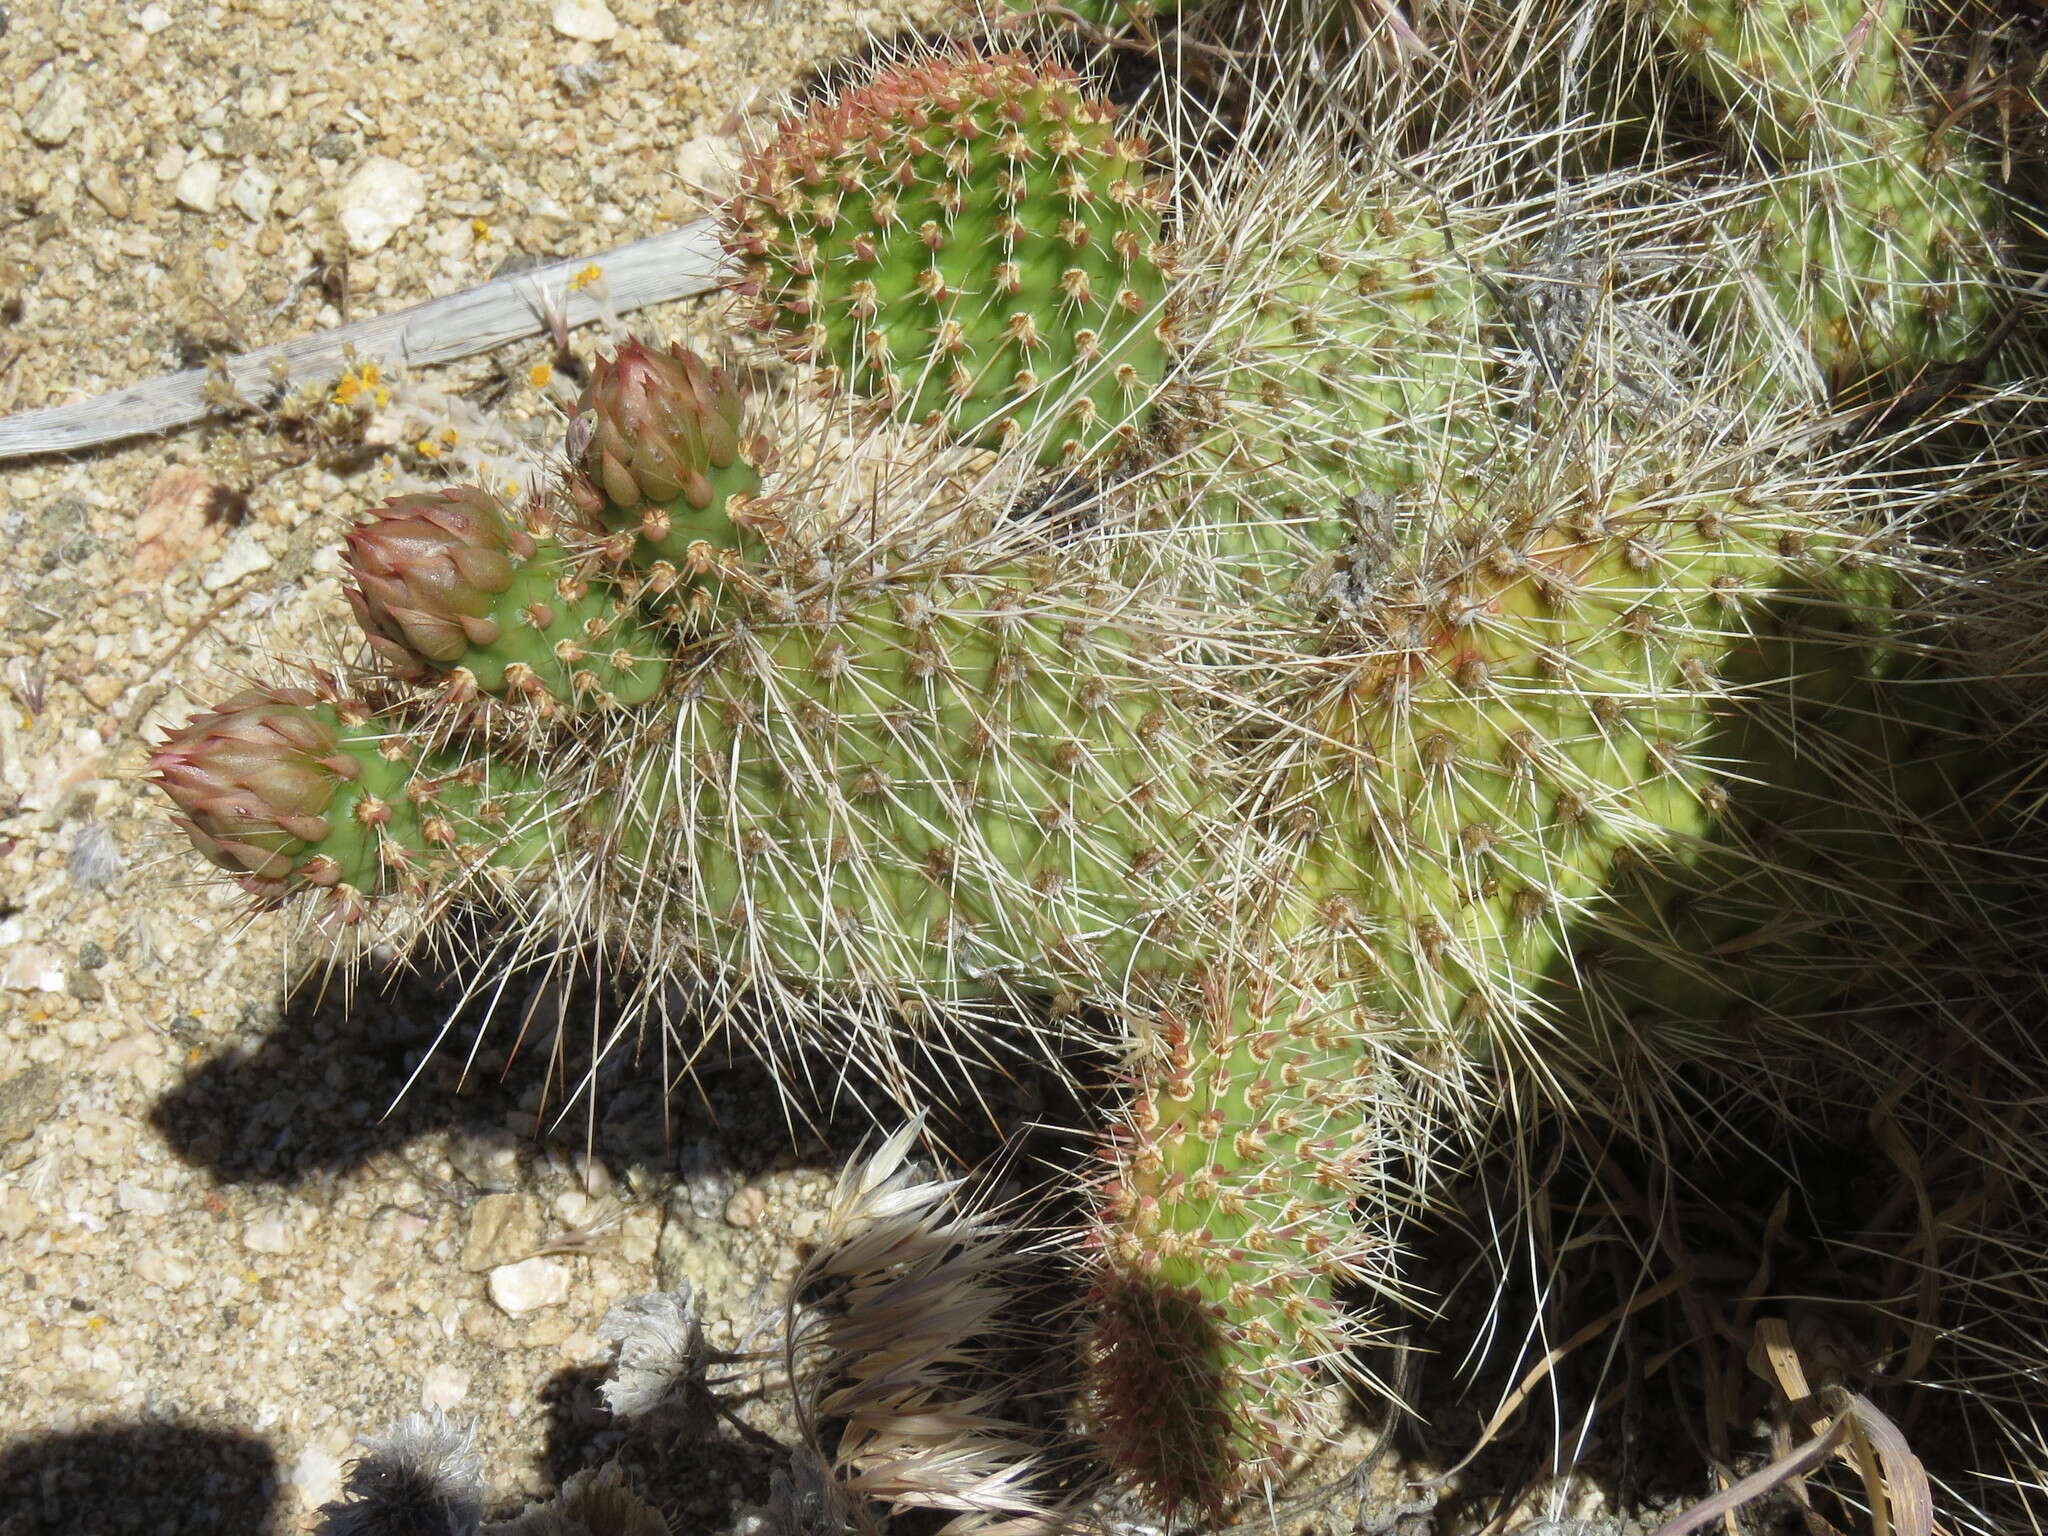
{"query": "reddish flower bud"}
(428, 570)
(663, 422)
(254, 779)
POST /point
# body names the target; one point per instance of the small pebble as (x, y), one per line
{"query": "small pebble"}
(253, 192)
(267, 1234)
(244, 556)
(377, 201)
(529, 1285)
(317, 1473)
(32, 968)
(140, 1199)
(745, 1207)
(589, 21)
(443, 1387)
(27, 1099)
(154, 19)
(502, 1228)
(199, 186)
(59, 109)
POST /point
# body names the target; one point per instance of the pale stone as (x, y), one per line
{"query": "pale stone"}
(317, 1475)
(502, 1228)
(140, 1199)
(380, 199)
(267, 1234)
(57, 111)
(253, 192)
(443, 1387)
(154, 19)
(588, 21)
(175, 520)
(529, 1285)
(244, 556)
(106, 190)
(745, 1207)
(199, 186)
(32, 968)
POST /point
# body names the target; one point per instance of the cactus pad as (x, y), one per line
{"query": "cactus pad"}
(968, 240)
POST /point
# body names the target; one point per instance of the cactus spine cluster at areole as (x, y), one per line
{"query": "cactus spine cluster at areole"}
(1254, 667)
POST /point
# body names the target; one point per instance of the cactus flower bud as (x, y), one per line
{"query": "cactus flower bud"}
(662, 451)
(449, 584)
(428, 570)
(256, 779)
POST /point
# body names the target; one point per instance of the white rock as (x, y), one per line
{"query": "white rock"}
(589, 21)
(267, 1234)
(244, 556)
(443, 1387)
(59, 109)
(33, 968)
(199, 186)
(253, 193)
(132, 1195)
(707, 163)
(154, 19)
(378, 201)
(317, 1475)
(529, 1285)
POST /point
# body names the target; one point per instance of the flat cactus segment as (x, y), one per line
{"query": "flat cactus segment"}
(1498, 729)
(1225, 1229)
(1880, 260)
(1871, 241)
(1502, 727)
(292, 791)
(663, 455)
(1346, 363)
(967, 240)
(450, 585)
(933, 785)
(1792, 67)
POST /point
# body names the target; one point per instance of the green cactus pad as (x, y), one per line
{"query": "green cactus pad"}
(935, 785)
(968, 240)
(1871, 240)
(448, 584)
(1501, 730)
(1878, 262)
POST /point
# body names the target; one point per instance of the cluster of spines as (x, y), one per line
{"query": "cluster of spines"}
(967, 240)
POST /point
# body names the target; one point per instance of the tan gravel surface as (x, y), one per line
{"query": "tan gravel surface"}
(220, 1262)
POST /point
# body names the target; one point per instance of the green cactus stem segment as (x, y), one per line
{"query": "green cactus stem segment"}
(1506, 729)
(1347, 364)
(967, 240)
(449, 584)
(1224, 1232)
(664, 463)
(936, 786)
(1873, 232)
(292, 792)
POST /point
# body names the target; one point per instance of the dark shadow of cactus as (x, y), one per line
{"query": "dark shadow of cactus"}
(128, 1479)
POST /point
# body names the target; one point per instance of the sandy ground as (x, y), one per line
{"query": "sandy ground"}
(223, 1262)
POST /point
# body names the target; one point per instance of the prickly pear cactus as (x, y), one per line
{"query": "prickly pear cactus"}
(1227, 648)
